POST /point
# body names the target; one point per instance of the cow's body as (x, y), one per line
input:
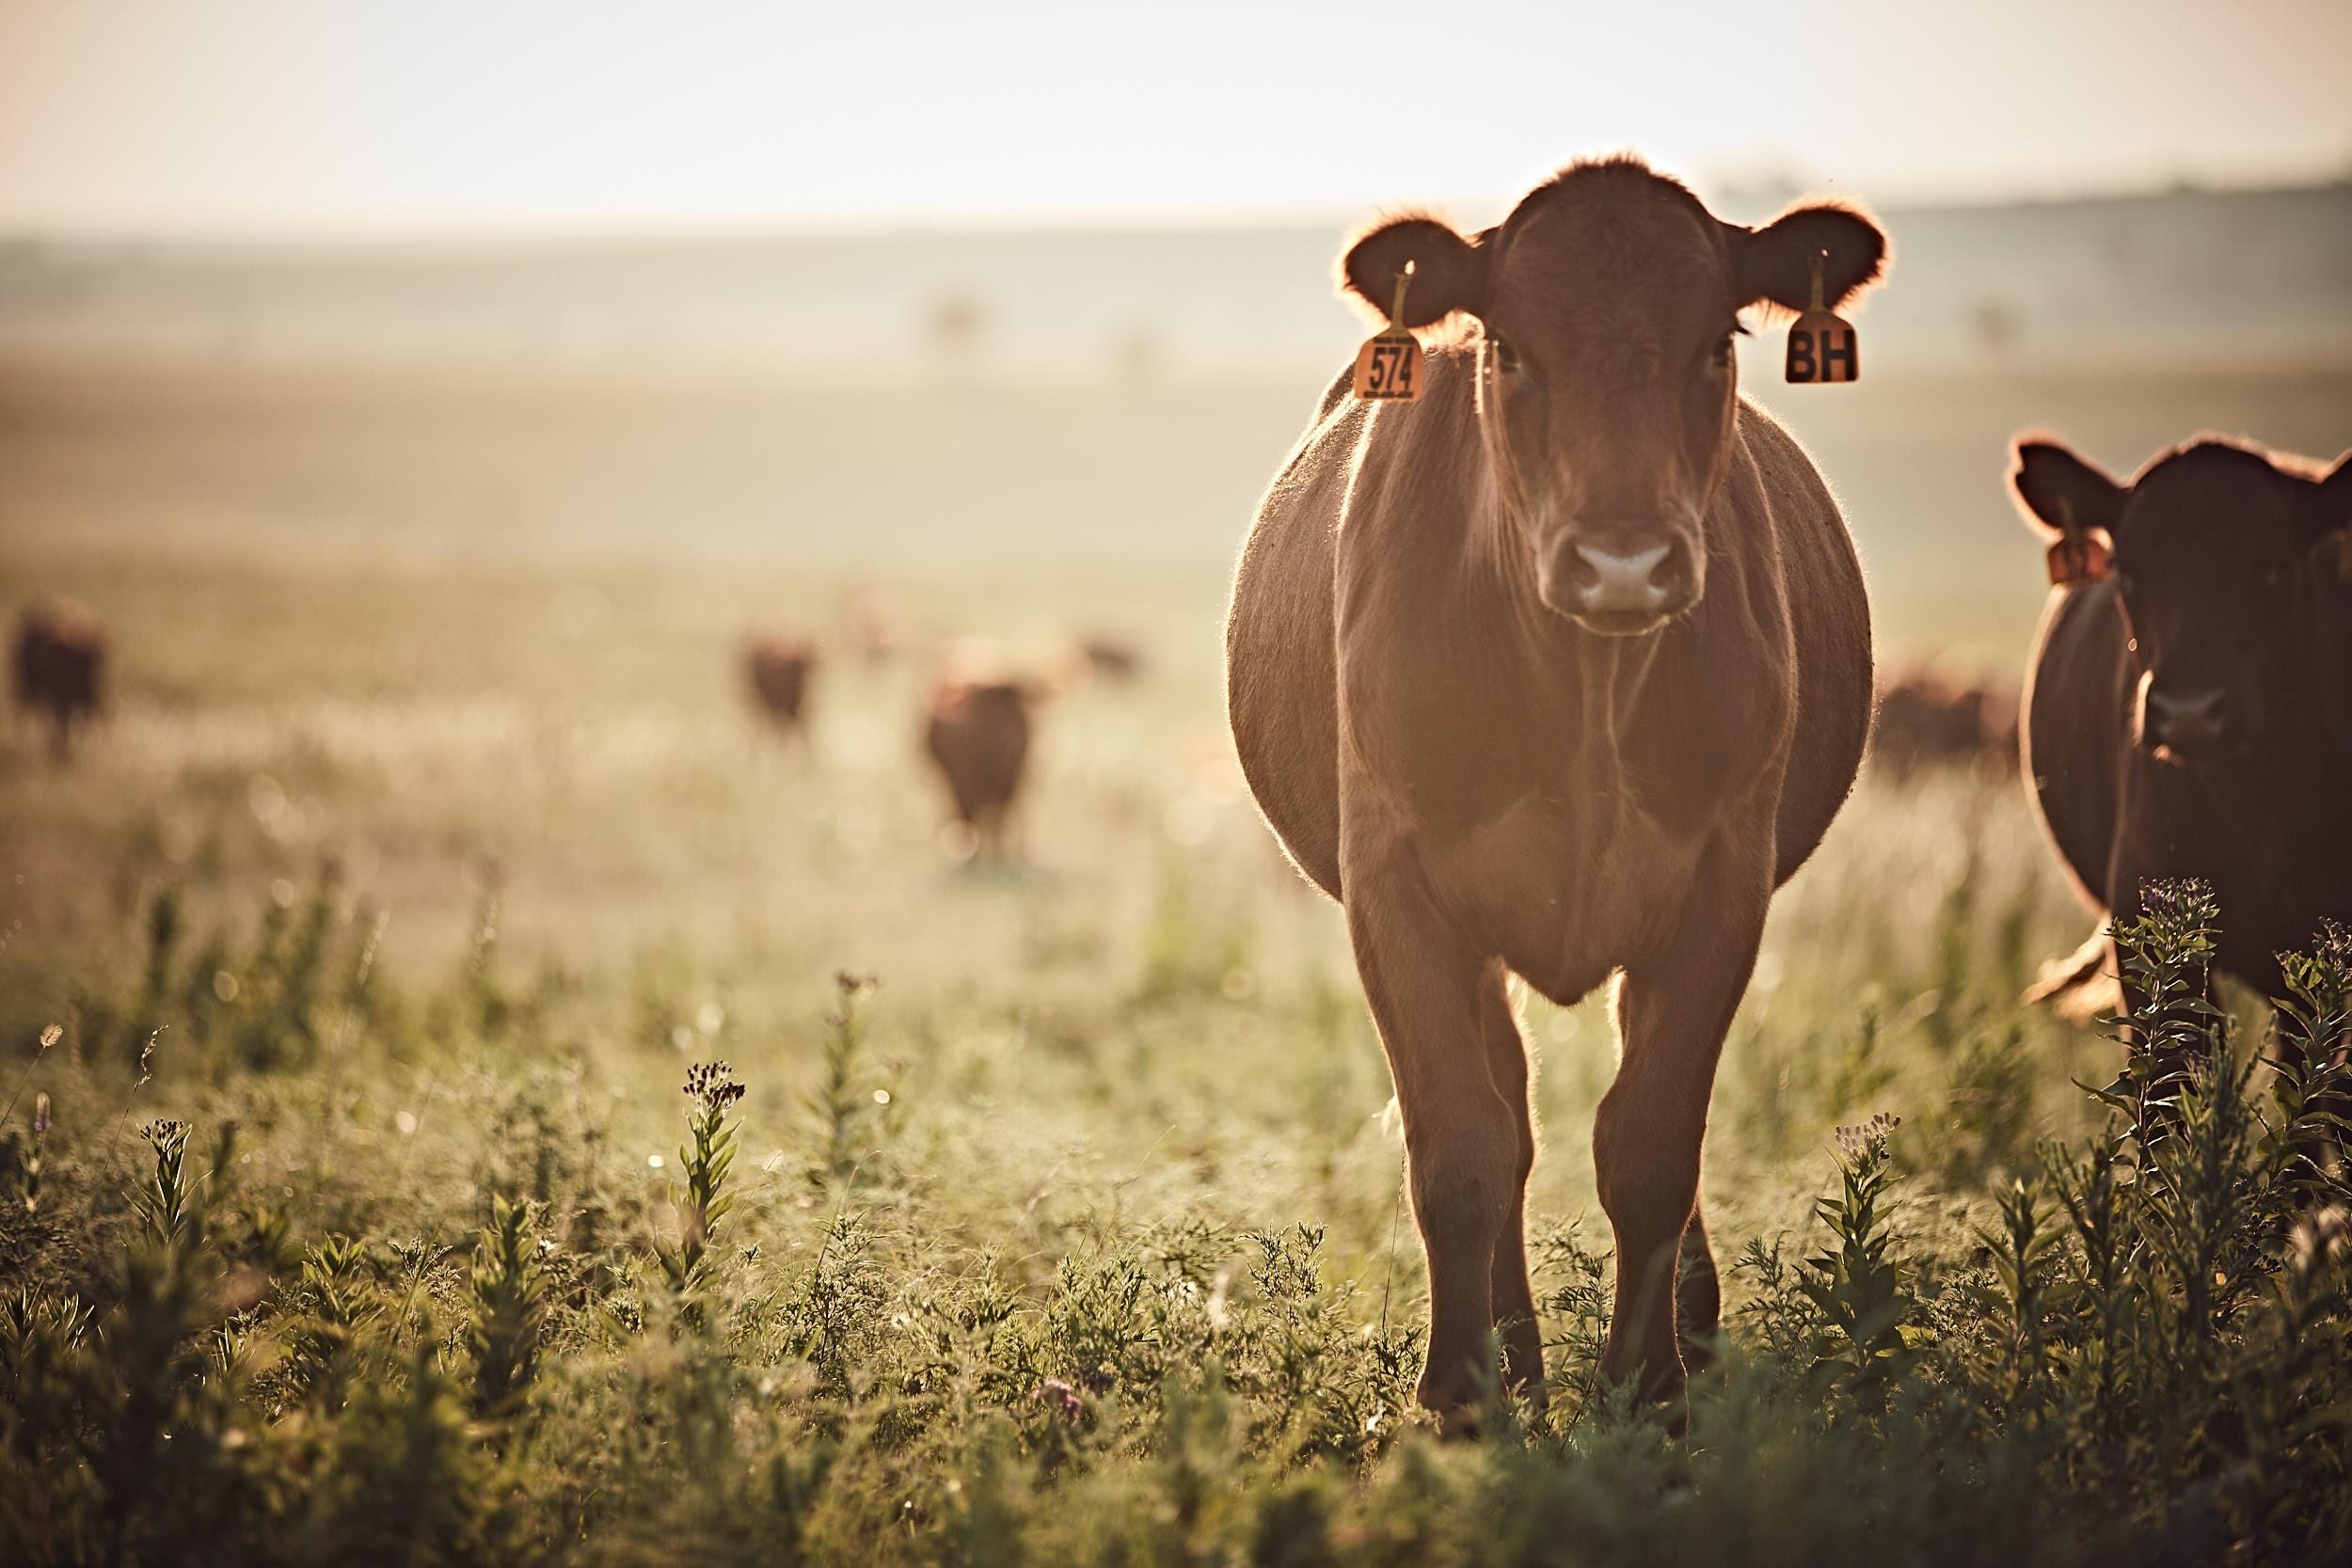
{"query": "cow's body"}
(2263, 818)
(58, 667)
(1927, 719)
(1490, 787)
(976, 732)
(780, 671)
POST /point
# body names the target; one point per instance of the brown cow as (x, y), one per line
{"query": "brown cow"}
(58, 667)
(780, 669)
(2189, 710)
(1928, 720)
(1559, 672)
(977, 723)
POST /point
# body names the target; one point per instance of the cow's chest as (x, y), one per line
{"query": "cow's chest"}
(1564, 885)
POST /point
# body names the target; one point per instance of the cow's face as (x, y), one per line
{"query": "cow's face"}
(1608, 304)
(2218, 557)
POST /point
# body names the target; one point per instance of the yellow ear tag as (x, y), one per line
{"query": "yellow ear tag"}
(1821, 345)
(2075, 557)
(1388, 367)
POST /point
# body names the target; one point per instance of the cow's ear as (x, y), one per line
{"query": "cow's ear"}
(1449, 272)
(1774, 264)
(2060, 490)
(2335, 498)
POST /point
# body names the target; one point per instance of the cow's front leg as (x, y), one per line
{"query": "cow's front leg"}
(1428, 990)
(1514, 1294)
(1673, 1008)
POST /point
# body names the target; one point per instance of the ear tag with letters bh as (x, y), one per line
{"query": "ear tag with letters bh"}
(1388, 367)
(1822, 345)
(2075, 557)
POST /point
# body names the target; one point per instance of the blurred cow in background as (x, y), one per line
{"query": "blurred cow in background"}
(1928, 720)
(977, 725)
(58, 667)
(780, 669)
(1112, 657)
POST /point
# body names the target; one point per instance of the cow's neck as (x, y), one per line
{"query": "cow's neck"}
(1599, 680)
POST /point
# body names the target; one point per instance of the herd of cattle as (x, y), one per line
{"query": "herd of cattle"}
(978, 717)
(1549, 656)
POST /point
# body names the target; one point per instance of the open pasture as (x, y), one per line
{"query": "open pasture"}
(431, 838)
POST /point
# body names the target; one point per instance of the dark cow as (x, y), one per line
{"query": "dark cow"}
(1928, 720)
(1559, 672)
(2188, 712)
(977, 730)
(58, 667)
(780, 669)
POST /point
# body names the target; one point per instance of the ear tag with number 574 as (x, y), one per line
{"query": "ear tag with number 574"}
(1821, 345)
(1388, 367)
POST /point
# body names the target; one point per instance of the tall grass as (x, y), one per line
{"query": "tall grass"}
(2138, 1341)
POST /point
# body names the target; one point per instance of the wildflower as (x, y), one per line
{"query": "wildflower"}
(713, 1083)
(1059, 1399)
(50, 1036)
(1869, 1140)
(40, 1115)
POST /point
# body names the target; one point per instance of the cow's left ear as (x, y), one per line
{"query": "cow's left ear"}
(1449, 271)
(1774, 264)
(2061, 492)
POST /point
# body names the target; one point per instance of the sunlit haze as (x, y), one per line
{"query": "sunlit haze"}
(390, 117)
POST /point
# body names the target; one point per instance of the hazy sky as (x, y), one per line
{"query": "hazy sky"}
(336, 116)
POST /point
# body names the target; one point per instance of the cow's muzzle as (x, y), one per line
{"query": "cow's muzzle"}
(2186, 725)
(1619, 580)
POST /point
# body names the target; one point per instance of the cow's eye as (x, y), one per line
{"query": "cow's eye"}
(1506, 357)
(1722, 353)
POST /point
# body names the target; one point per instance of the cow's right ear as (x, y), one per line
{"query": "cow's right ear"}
(2060, 490)
(1449, 272)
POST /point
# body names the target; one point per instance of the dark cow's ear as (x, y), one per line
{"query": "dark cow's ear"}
(2059, 489)
(1449, 273)
(1774, 264)
(2335, 498)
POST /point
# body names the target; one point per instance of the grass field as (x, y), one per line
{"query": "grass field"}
(426, 850)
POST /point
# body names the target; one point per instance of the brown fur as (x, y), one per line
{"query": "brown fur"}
(977, 730)
(1491, 787)
(2224, 582)
(58, 667)
(1928, 720)
(780, 669)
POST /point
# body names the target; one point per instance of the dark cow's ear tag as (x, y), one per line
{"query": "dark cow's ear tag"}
(2075, 560)
(2075, 557)
(1388, 367)
(1822, 345)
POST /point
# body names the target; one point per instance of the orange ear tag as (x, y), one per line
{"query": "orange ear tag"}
(1822, 345)
(2075, 560)
(2075, 557)
(1388, 367)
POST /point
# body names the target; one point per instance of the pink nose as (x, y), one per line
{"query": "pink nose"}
(1619, 577)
